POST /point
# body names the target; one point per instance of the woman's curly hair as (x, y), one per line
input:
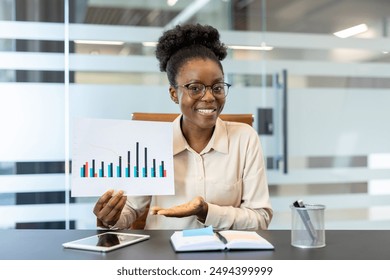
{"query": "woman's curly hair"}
(184, 42)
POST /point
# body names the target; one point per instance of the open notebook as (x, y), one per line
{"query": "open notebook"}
(222, 240)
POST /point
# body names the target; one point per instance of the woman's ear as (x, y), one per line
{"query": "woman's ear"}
(173, 93)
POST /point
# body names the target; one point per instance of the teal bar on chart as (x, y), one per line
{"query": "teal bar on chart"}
(135, 172)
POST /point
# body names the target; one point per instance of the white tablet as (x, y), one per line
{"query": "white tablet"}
(105, 242)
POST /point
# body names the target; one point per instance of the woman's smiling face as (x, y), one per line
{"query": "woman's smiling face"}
(202, 113)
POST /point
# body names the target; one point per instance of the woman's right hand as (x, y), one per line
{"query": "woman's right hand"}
(109, 207)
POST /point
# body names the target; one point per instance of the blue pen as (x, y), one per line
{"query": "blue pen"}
(306, 220)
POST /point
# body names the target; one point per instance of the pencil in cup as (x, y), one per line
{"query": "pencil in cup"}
(307, 225)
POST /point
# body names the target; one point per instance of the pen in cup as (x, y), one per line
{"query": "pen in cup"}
(306, 219)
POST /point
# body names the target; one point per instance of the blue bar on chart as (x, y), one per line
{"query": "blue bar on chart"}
(101, 171)
(153, 169)
(119, 168)
(110, 170)
(136, 167)
(124, 169)
(145, 169)
(128, 165)
(163, 172)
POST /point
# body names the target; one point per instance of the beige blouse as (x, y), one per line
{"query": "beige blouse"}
(229, 174)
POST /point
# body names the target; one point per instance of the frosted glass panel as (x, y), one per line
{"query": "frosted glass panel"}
(32, 30)
(32, 61)
(118, 102)
(344, 122)
(32, 123)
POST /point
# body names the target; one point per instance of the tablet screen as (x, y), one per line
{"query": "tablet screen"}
(106, 241)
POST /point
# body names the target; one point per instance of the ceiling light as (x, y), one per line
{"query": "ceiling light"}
(171, 2)
(262, 47)
(149, 44)
(352, 31)
(94, 42)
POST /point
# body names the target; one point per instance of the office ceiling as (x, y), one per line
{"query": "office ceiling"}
(305, 16)
(325, 16)
(125, 16)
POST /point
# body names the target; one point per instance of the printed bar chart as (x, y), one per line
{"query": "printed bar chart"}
(107, 171)
(133, 156)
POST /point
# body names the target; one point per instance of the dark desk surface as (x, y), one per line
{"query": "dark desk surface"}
(47, 245)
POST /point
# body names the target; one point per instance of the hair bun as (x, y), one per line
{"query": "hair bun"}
(185, 36)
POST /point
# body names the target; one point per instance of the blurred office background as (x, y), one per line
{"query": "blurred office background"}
(320, 102)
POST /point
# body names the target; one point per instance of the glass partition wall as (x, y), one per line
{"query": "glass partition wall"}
(319, 101)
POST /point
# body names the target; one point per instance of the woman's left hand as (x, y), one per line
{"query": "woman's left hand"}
(197, 207)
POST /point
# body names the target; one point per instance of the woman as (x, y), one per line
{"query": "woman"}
(220, 175)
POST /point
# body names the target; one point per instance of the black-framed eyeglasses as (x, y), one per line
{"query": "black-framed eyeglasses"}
(198, 90)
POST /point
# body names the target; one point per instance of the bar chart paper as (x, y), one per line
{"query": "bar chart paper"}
(133, 156)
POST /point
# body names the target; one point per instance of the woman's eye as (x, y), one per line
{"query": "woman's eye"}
(194, 88)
